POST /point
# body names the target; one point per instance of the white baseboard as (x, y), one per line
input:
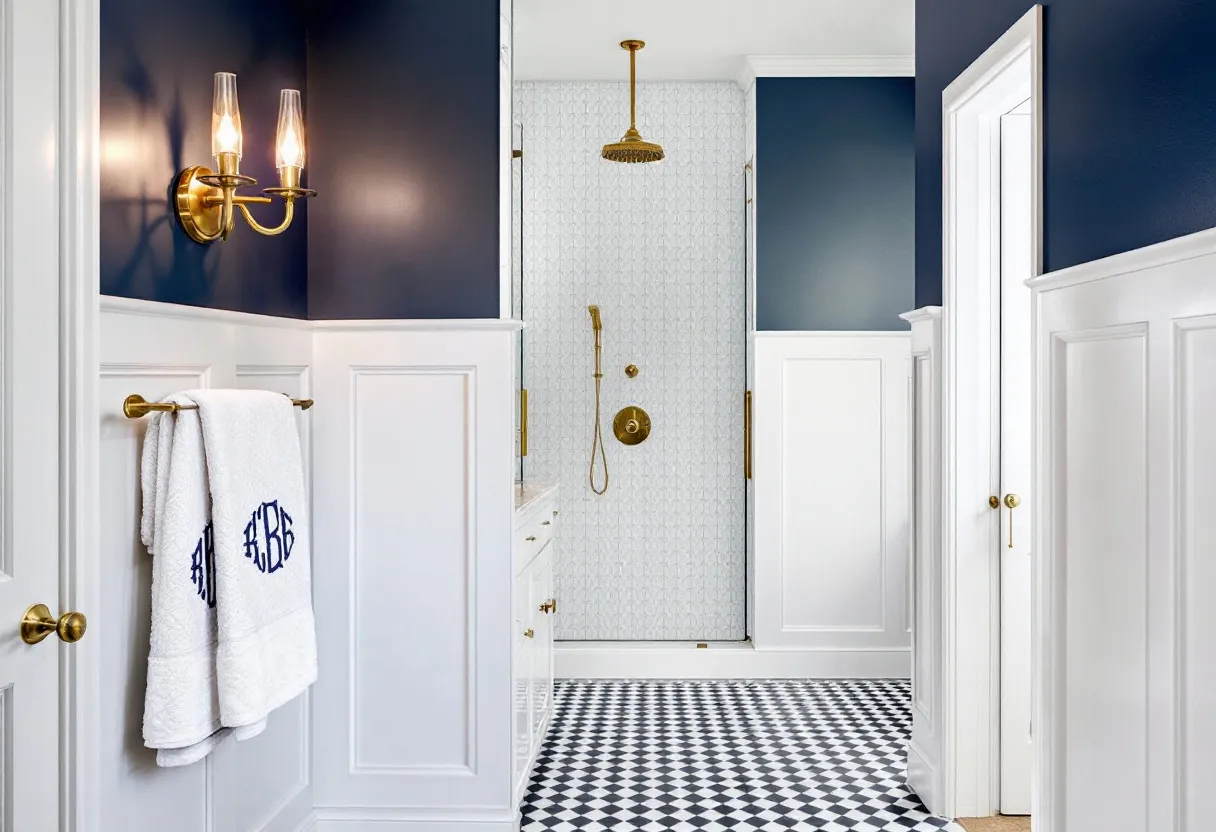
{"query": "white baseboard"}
(359, 819)
(668, 660)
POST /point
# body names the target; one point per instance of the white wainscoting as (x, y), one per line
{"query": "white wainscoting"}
(261, 785)
(1125, 710)
(830, 414)
(926, 749)
(414, 453)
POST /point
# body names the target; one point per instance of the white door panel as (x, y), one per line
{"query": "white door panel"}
(29, 399)
(1016, 451)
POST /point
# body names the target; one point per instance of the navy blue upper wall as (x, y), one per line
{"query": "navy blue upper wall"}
(835, 180)
(157, 62)
(1129, 121)
(403, 128)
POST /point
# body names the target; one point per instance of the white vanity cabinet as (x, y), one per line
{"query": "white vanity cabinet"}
(535, 605)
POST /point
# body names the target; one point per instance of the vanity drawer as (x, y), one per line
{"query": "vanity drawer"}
(532, 535)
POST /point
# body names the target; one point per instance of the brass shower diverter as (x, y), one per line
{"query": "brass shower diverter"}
(631, 425)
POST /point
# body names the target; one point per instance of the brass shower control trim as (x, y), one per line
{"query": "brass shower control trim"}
(631, 425)
(631, 370)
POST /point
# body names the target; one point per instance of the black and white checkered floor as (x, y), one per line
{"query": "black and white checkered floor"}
(712, 756)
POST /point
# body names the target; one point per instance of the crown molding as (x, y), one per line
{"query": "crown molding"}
(824, 66)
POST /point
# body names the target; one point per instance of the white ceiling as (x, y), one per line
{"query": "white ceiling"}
(703, 40)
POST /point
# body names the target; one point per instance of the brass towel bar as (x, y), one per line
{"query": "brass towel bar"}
(136, 406)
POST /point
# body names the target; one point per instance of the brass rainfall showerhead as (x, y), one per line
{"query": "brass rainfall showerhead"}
(632, 147)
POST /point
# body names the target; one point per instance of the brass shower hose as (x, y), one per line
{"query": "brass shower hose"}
(597, 437)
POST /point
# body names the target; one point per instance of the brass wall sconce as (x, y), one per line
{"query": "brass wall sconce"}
(207, 201)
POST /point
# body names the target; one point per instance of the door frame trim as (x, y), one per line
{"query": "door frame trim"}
(1011, 67)
(79, 557)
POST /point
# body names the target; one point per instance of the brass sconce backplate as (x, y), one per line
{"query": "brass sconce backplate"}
(631, 425)
(197, 205)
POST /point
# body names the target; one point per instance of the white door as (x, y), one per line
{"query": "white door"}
(29, 412)
(1015, 472)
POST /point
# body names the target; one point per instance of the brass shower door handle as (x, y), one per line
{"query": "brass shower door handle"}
(1011, 501)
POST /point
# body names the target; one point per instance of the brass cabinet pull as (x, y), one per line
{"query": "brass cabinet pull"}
(546, 523)
(38, 623)
(530, 539)
(529, 633)
(549, 606)
(1012, 501)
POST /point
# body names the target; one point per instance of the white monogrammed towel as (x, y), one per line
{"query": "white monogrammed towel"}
(181, 707)
(266, 653)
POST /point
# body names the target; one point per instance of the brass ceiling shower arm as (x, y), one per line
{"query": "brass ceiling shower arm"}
(632, 147)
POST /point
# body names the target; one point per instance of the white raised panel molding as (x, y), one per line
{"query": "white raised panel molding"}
(926, 747)
(413, 434)
(1126, 474)
(262, 784)
(830, 414)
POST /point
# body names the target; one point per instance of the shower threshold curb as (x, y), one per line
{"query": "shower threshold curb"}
(724, 660)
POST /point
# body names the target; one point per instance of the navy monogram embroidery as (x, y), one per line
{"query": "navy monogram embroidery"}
(269, 538)
(202, 566)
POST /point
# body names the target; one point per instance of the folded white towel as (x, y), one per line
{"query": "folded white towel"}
(181, 707)
(266, 652)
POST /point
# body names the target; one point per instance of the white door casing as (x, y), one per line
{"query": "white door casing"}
(29, 402)
(1016, 413)
(1005, 75)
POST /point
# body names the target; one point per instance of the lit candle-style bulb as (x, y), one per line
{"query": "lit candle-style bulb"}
(289, 143)
(225, 120)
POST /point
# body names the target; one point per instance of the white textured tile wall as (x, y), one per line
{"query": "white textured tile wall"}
(660, 248)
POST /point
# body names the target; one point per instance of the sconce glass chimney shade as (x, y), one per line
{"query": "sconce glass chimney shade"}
(289, 138)
(225, 117)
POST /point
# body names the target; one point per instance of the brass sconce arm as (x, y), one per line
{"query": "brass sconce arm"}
(270, 232)
(207, 202)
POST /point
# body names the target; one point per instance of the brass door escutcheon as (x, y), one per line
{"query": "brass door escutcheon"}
(1012, 501)
(631, 425)
(38, 623)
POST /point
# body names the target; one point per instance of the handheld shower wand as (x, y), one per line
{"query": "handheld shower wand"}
(597, 437)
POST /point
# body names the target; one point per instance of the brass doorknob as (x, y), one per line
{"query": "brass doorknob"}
(38, 623)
